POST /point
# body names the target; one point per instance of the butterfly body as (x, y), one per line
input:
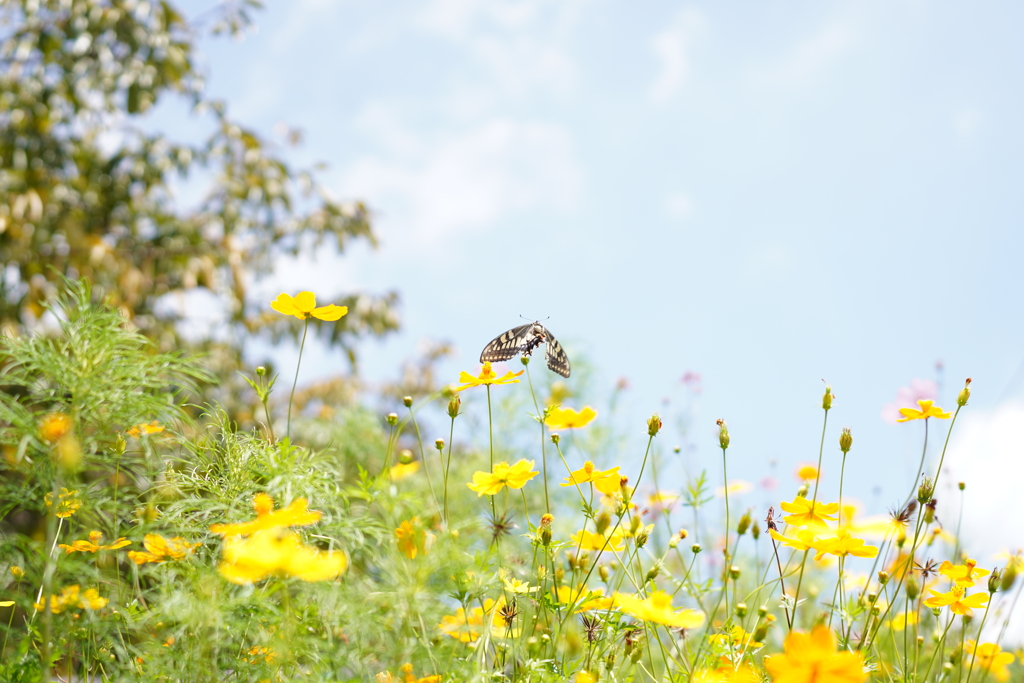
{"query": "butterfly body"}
(525, 339)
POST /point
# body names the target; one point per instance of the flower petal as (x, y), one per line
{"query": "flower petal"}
(330, 312)
(305, 302)
(285, 304)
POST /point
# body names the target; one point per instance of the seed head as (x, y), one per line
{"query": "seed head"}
(925, 490)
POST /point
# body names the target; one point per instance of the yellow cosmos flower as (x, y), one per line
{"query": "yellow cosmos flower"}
(727, 674)
(17, 572)
(55, 426)
(71, 597)
(303, 306)
(486, 376)
(585, 677)
(806, 513)
(736, 638)
(410, 538)
(141, 430)
(160, 549)
(903, 620)
(589, 540)
(467, 627)
(842, 544)
(605, 481)
(403, 470)
(93, 544)
(990, 657)
(807, 472)
(512, 476)
(657, 608)
(956, 600)
(6, 603)
(962, 574)
(67, 504)
(928, 409)
(813, 658)
(407, 676)
(584, 598)
(804, 539)
(513, 585)
(567, 418)
(275, 552)
(295, 514)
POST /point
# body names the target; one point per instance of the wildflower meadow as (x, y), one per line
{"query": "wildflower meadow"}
(495, 530)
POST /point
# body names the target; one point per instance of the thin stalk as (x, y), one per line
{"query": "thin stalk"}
(977, 640)
(543, 447)
(447, 466)
(920, 466)
(814, 502)
(725, 484)
(291, 397)
(490, 440)
(423, 458)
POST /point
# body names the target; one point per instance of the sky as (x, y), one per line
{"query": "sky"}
(767, 194)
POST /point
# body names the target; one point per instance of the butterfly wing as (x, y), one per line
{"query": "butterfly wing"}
(505, 345)
(557, 360)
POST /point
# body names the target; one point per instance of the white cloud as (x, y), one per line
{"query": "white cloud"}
(808, 59)
(672, 46)
(987, 454)
(467, 180)
(679, 205)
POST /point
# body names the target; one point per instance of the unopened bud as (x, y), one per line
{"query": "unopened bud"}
(634, 524)
(883, 577)
(929, 511)
(994, 580)
(871, 596)
(545, 535)
(961, 486)
(925, 490)
(392, 419)
(407, 401)
(604, 572)
(525, 360)
(947, 668)
(643, 536)
(755, 531)
(826, 399)
(741, 610)
(603, 521)
(845, 440)
(405, 456)
(454, 403)
(439, 444)
(965, 394)
(802, 491)
(583, 560)
(723, 433)
(762, 612)
(653, 572)
(734, 572)
(261, 370)
(913, 588)
(695, 548)
(744, 523)
(1009, 574)
(654, 425)
(555, 438)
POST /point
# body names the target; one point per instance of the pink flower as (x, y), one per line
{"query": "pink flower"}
(907, 397)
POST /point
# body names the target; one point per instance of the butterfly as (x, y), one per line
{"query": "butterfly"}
(525, 339)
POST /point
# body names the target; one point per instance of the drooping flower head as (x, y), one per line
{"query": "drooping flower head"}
(486, 376)
(567, 418)
(512, 476)
(303, 306)
(813, 658)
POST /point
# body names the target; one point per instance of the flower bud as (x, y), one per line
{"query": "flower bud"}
(439, 444)
(744, 523)
(261, 370)
(871, 596)
(69, 452)
(654, 425)
(755, 531)
(961, 486)
(55, 426)
(802, 491)
(912, 587)
(994, 580)
(392, 419)
(559, 575)
(929, 511)
(643, 536)
(965, 394)
(555, 438)
(638, 652)
(761, 632)
(603, 521)
(925, 490)
(734, 572)
(545, 535)
(653, 572)
(405, 456)
(826, 399)
(583, 560)
(454, 403)
(525, 360)
(1009, 575)
(947, 668)
(604, 572)
(723, 433)
(407, 401)
(883, 577)
(741, 610)
(695, 548)
(845, 440)
(762, 612)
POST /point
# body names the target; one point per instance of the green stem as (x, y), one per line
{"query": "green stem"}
(490, 439)
(543, 446)
(977, 639)
(291, 397)
(814, 502)
(447, 466)
(725, 484)
(423, 458)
